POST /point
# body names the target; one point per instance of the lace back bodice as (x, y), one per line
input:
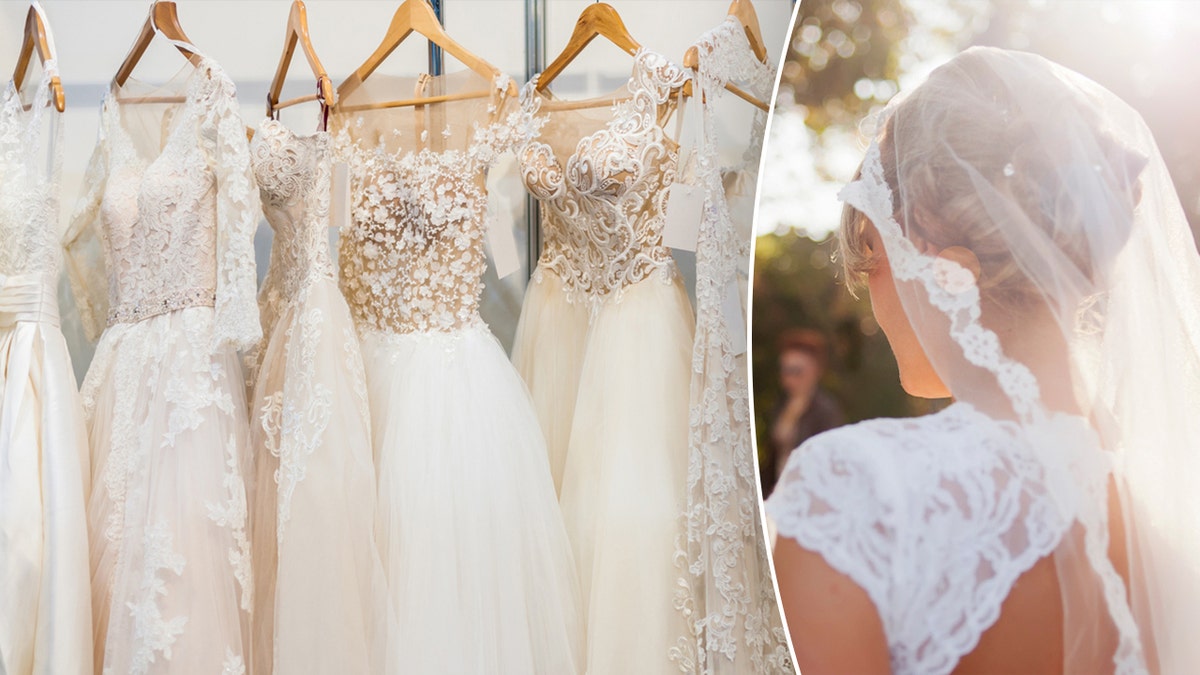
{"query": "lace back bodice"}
(603, 203)
(170, 208)
(937, 517)
(293, 175)
(29, 181)
(413, 257)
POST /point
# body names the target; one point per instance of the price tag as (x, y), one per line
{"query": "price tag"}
(501, 241)
(685, 209)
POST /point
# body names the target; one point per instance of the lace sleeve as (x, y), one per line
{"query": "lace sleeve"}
(837, 497)
(82, 245)
(223, 136)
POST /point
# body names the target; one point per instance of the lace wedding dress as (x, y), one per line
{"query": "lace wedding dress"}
(161, 257)
(480, 574)
(45, 623)
(727, 592)
(606, 315)
(319, 586)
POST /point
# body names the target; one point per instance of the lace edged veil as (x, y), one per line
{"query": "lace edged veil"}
(1073, 323)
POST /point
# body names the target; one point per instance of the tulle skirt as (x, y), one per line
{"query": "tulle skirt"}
(548, 352)
(624, 486)
(45, 611)
(171, 576)
(479, 567)
(318, 581)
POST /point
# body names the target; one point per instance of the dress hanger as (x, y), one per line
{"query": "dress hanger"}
(744, 12)
(162, 20)
(37, 38)
(597, 20)
(297, 33)
(416, 16)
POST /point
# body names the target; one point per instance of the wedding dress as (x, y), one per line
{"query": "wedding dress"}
(161, 257)
(319, 587)
(937, 518)
(45, 624)
(606, 315)
(727, 592)
(479, 567)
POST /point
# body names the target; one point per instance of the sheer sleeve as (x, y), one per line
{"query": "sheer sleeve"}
(223, 135)
(837, 497)
(83, 248)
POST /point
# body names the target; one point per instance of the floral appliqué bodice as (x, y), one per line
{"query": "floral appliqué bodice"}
(937, 517)
(412, 259)
(293, 175)
(603, 206)
(28, 188)
(174, 207)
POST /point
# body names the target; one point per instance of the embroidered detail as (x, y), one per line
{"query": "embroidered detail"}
(232, 514)
(152, 634)
(413, 257)
(615, 181)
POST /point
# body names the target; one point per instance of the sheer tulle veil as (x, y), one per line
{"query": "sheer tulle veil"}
(1074, 322)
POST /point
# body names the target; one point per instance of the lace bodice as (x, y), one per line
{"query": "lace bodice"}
(293, 174)
(28, 187)
(936, 517)
(413, 257)
(170, 209)
(603, 202)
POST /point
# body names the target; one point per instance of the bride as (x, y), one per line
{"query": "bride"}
(1027, 256)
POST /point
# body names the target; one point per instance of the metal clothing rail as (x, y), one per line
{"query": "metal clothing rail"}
(535, 62)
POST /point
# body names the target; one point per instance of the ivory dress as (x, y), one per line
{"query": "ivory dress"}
(480, 574)
(319, 586)
(607, 316)
(161, 254)
(45, 623)
(728, 593)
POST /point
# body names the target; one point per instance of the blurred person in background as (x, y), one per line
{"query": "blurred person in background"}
(805, 409)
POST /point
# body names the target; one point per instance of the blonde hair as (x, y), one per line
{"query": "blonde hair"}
(963, 124)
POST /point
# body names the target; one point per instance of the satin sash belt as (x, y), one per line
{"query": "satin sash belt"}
(27, 297)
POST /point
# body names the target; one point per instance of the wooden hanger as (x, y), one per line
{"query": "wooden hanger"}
(744, 12)
(597, 20)
(297, 33)
(36, 39)
(163, 20)
(416, 16)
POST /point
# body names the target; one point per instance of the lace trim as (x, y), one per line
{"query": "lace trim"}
(165, 304)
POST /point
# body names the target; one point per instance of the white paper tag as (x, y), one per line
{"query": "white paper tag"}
(502, 243)
(339, 197)
(685, 208)
(735, 318)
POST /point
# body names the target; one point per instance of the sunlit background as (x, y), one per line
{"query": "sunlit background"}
(846, 59)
